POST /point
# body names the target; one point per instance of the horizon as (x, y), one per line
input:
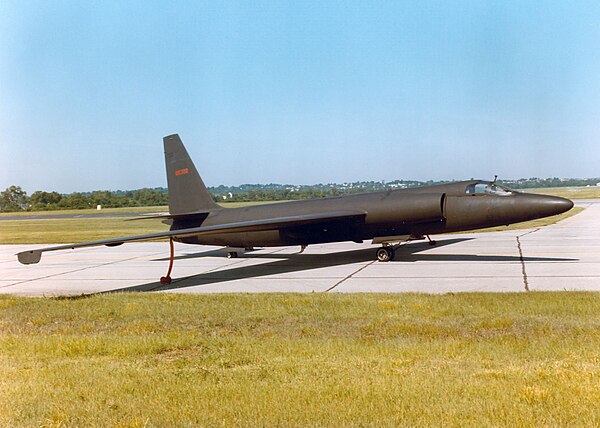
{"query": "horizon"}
(420, 182)
(290, 92)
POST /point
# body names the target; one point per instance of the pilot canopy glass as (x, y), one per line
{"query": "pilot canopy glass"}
(487, 188)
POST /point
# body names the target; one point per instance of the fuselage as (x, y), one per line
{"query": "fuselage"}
(389, 216)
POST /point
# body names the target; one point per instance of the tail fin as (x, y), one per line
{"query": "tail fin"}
(187, 192)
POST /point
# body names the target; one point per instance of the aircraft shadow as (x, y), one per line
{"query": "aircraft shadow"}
(288, 263)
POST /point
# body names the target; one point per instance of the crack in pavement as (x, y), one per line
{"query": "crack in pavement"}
(522, 260)
(523, 272)
(349, 276)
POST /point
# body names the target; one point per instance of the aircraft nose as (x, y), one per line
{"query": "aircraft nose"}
(559, 205)
(549, 205)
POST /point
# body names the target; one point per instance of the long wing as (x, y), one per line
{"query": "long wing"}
(34, 256)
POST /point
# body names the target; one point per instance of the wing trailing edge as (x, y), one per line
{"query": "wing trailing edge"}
(34, 256)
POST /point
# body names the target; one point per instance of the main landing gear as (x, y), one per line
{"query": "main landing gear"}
(385, 254)
(234, 252)
(165, 280)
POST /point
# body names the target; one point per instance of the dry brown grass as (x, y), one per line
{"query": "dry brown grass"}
(528, 359)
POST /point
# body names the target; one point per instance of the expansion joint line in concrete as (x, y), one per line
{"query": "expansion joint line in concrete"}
(522, 260)
(349, 276)
(70, 271)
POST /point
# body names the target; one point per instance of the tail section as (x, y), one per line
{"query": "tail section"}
(187, 192)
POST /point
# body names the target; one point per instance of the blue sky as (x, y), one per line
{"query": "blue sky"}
(297, 92)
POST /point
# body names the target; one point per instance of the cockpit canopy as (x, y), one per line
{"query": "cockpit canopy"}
(487, 188)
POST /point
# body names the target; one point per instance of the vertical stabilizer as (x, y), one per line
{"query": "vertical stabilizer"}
(187, 192)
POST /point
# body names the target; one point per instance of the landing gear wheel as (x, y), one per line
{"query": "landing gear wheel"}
(165, 280)
(385, 254)
(232, 255)
(431, 242)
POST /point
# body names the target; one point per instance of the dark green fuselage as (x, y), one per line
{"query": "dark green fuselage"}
(388, 215)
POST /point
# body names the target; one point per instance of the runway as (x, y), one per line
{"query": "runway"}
(564, 256)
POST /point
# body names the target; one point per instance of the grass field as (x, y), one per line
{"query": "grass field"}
(569, 192)
(133, 360)
(143, 210)
(157, 209)
(67, 230)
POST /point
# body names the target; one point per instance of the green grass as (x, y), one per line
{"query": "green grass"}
(528, 359)
(157, 209)
(568, 192)
(68, 230)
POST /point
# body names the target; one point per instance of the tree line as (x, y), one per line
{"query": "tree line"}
(16, 199)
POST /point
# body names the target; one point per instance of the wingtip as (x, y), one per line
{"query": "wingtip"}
(29, 257)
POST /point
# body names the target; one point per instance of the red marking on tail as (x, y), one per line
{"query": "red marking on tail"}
(182, 171)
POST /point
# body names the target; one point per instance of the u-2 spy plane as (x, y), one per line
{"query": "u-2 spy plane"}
(387, 218)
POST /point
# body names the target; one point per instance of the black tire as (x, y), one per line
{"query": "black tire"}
(385, 254)
(232, 255)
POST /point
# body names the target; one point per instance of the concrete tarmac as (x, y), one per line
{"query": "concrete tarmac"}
(565, 256)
